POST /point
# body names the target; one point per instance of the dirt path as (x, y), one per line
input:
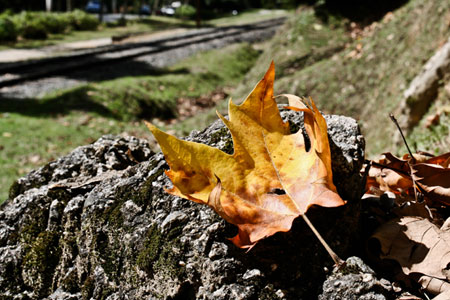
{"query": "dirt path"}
(17, 55)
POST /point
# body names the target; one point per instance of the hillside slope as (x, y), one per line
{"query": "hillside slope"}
(360, 72)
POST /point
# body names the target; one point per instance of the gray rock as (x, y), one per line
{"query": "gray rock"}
(424, 88)
(97, 224)
(347, 155)
(356, 281)
(59, 294)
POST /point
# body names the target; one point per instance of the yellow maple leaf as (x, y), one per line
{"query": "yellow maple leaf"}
(271, 178)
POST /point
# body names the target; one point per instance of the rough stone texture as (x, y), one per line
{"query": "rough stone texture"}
(97, 224)
(424, 88)
(356, 281)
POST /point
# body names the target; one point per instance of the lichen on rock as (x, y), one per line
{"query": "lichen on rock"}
(97, 224)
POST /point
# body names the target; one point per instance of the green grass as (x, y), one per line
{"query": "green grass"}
(34, 132)
(434, 137)
(303, 41)
(145, 25)
(248, 16)
(367, 85)
(30, 141)
(156, 95)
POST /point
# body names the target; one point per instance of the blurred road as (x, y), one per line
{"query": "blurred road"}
(109, 18)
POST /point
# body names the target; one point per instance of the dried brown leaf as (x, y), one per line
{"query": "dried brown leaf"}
(420, 247)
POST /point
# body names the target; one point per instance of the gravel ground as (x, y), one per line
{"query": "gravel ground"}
(138, 66)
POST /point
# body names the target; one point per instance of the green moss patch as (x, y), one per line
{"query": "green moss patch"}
(33, 226)
(158, 253)
(40, 261)
(109, 250)
(112, 215)
(142, 195)
(88, 287)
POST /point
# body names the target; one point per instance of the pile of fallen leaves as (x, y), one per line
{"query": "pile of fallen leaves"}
(415, 228)
(273, 177)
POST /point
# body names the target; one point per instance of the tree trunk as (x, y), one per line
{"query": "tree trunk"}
(68, 5)
(114, 6)
(139, 8)
(198, 20)
(155, 7)
(100, 15)
(125, 8)
(48, 5)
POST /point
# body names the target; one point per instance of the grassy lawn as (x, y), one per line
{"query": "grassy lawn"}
(145, 25)
(433, 132)
(29, 141)
(248, 16)
(34, 132)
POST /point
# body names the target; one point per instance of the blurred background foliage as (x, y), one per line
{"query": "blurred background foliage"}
(352, 9)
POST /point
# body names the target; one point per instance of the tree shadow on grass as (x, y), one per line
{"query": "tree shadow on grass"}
(126, 68)
(76, 100)
(79, 99)
(159, 24)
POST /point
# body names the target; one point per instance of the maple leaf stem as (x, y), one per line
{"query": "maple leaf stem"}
(337, 260)
(403, 136)
(413, 159)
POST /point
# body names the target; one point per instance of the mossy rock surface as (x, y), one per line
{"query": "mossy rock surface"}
(97, 224)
